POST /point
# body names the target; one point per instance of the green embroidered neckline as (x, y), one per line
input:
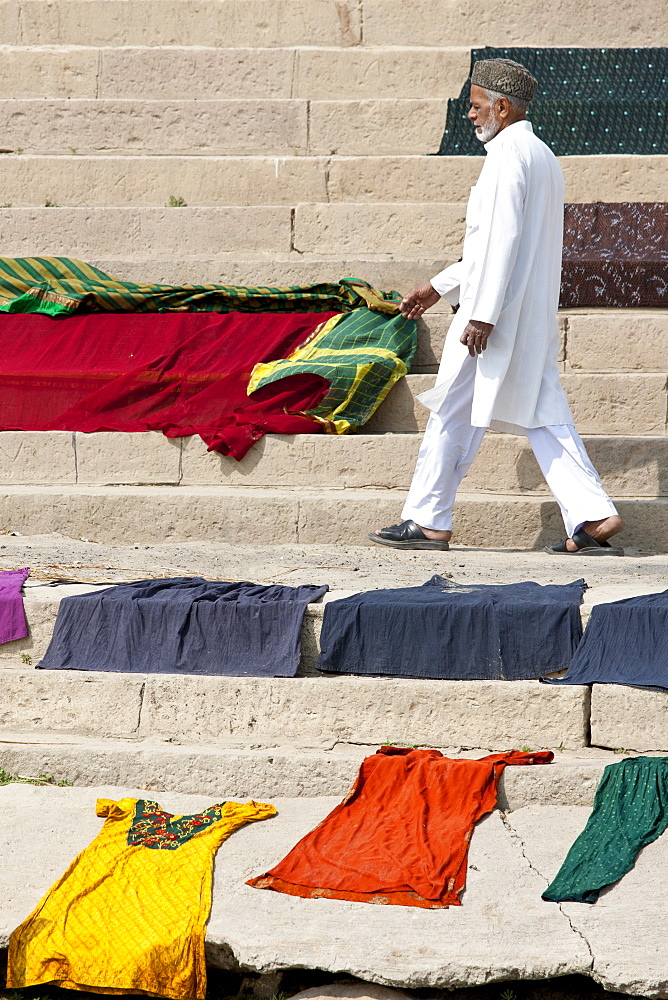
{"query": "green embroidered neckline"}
(154, 828)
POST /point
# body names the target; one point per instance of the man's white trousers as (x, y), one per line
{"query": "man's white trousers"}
(450, 444)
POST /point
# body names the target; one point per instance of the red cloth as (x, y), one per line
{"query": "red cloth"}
(180, 373)
(402, 835)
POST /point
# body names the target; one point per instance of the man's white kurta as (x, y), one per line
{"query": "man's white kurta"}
(510, 275)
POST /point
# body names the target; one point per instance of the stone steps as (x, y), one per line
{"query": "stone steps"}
(593, 342)
(260, 773)
(204, 73)
(386, 21)
(342, 228)
(299, 736)
(280, 515)
(602, 403)
(639, 337)
(279, 127)
(295, 712)
(42, 603)
(312, 139)
(102, 180)
(321, 22)
(236, 268)
(619, 403)
(172, 22)
(628, 466)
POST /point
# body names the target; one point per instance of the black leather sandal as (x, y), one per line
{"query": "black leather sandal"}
(407, 535)
(586, 546)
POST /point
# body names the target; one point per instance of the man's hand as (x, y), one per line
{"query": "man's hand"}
(419, 300)
(475, 336)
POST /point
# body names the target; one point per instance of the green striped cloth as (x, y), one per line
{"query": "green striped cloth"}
(59, 286)
(361, 354)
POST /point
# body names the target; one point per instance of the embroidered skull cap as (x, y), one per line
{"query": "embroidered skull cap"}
(505, 77)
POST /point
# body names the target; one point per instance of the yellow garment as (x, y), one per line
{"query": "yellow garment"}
(129, 914)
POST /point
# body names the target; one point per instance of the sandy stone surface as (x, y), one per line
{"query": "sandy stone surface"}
(625, 929)
(342, 567)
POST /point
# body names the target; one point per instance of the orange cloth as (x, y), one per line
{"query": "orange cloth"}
(402, 835)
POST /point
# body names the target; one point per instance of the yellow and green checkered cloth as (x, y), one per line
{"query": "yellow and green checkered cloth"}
(361, 354)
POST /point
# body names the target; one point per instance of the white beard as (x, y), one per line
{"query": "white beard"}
(488, 130)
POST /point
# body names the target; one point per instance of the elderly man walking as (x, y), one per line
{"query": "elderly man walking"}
(499, 366)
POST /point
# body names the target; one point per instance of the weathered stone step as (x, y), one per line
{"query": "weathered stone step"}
(80, 180)
(629, 403)
(278, 269)
(42, 605)
(629, 466)
(281, 127)
(298, 712)
(409, 229)
(337, 228)
(281, 515)
(263, 773)
(503, 930)
(604, 341)
(92, 232)
(322, 22)
(385, 21)
(87, 232)
(616, 711)
(175, 22)
(169, 73)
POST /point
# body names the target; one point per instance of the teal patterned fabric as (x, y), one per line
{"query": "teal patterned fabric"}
(588, 101)
(630, 811)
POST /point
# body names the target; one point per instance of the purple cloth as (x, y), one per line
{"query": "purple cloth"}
(13, 624)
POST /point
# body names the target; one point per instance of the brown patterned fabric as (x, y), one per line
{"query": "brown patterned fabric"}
(615, 255)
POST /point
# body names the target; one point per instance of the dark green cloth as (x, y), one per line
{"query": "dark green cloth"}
(588, 101)
(630, 811)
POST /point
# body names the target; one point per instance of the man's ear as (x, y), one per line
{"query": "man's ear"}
(503, 107)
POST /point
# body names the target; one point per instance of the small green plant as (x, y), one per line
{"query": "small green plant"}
(26, 658)
(508, 995)
(42, 779)
(179, 202)
(620, 750)
(19, 149)
(72, 149)
(50, 204)
(524, 750)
